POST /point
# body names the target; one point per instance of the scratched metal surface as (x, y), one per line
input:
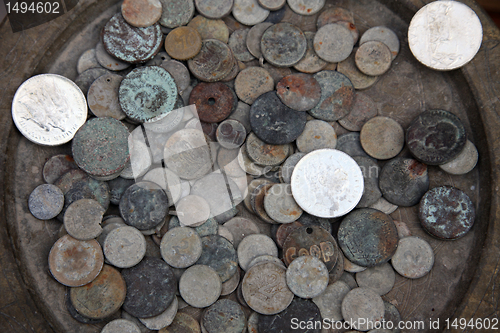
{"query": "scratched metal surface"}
(465, 278)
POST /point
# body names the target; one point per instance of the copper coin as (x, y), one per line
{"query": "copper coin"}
(75, 263)
(300, 92)
(368, 237)
(283, 44)
(435, 137)
(210, 29)
(214, 61)
(102, 297)
(266, 154)
(311, 240)
(176, 12)
(183, 43)
(231, 134)
(364, 109)
(310, 63)
(359, 80)
(214, 101)
(446, 212)
(373, 58)
(131, 44)
(141, 13)
(382, 137)
(253, 82)
(102, 97)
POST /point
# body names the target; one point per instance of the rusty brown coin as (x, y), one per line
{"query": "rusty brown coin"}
(311, 240)
(210, 29)
(300, 92)
(382, 137)
(141, 13)
(214, 101)
(214, 61)
(183, 43)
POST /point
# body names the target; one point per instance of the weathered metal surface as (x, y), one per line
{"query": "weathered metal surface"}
(46, 201)
(181, 247)
(219, 254)
(214, 101)
(359, 80)
(183, 323)
(364, 109)
(307, 276)
(200, 286)
(414, 257)
(379, 278)
(350, 144)
(210, 29)
(333, 42)
(141, 13)
(56, 166)
(317, 134)
(283, 44)
(300, 92)
(82, 219)
(337, 96)
(363, 303)
(373, 58)
(231, 134)
(382, 137)
(176, 12)
(183, 43)
(253, 82)
(384, 35)
(224, 315)
(214, 61)
(310, 63)
(334, 15)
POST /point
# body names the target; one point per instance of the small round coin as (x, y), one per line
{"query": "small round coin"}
(333, 42)
(237, 43)
(124, 247)
(87, 60)
(253, 82)
(414, 257)
(82, 219)
(280, 205)
(121, 325)
(224, 315)
(200, 286)
(231, 134)
(46, 201)
(380, 278)
(141, 13)
(384, 35)
(306, 7)
(214, 61)
(283, 45)
(181, 247)
(382, 137)
(176, 12)
(253, 246)
(219, 254)
(214, 9)
(249, 12)
(192, 211)
(300, 92)
(183, 43)
(373, 58)
(102, 97)
(363, 303)
(317, 134)
(363, 110)
(254, 36)
(359, 80)
(56, 166)
(307, 276)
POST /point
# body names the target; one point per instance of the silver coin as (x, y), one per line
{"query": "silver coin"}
(317, 134)
(181, 247)
(287, 167)
(200, 286)
(330, 302)
(249, 12)
(253, 246)
(266, 258)
(162, 320)
(306, 7)
(307, 276)
(380, 278)
(310, 63)
(327, 183)
(464, 162)
(230, 285)
(384, 35)
(48, 109)
(46, 201)
(272, 4)
(363, 303)
(124, 247)
(102, 97)
(82, 219)
(414, 257)
(87, 60)
(192, 211)
(214, 9)
(122, 326)
(384, 206)
(445, 35)
(107, 61)
(333, 42)
(280, 205)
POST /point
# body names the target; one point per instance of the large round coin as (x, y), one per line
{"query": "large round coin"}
(445, 35)
(48, 109)
(327, 183)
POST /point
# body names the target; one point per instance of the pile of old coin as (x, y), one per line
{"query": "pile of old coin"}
(244, 204)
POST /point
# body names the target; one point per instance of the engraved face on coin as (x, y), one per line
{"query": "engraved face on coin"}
(48, 109)
(445, 35)
(327, 183)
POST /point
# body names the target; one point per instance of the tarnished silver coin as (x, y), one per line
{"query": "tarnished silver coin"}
(310, 63)
(363, 303)
(358, 79)
(249, 12)
(327, 183)
(254, 36)
(330, 301)
(373, 58)
(46, 201)
(464, 162)
(102, 97)
(333, 42)
(200, 286)
(253, 246)
(82, 219)
(108, 61)
(280, 205)
(288, 166)
(176, 12)
(124, 247)
(214, 9)
(48, 109)
(122, 326)
(265, 154)
(307, 276)
(380, 278)
(181, 247)
(87, 60)
(306, 7)
(283, 45)
(384, 35)
(445, 35)
(414, 257)
(317, 134)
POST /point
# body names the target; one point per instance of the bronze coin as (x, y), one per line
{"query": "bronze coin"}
(300, 92)
(257, 201)
(141, 13)
(214, 101)
(183, 43)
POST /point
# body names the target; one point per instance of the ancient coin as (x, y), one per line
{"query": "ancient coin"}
(267, 118)
(200, 286)
(214, 9)
(75, 263)
(283, 45)
(181, 247)
(337, 96)
(219, 254)
(446, 212)
(46, 202)
(349, 279)
(288, 166)
(330, 301)
(210, 29)
(124, 247)
(131, 44)
(363, 303)
(231, 134)
(333, 42)
(304, 7)
(453, 35)
(183, 43)
(251, 187)
(163, 319)
(249, 12)
(435, 137)
(382, 137)
(301, 92)
(359, 80)
(176, 12)
(373, 58)
(224, 315)
(254, 36)
(414, 257)
(302, 309)
(371, 172)
(242, 115)
(317, 134)
(327, 183)
(350, 144)
(307, 276)
(364, 109)
(214, 61)
(140, 158)
(237, 43)
(82, 219)
(253, 246)
(384, 35)
(102, 297)
(48, 109)
(240, 227)
(102, 97)
(141, 13)
(368, 237)
(334, 15)
(272, 5)
(214, 101)
(179, 73)
(265, 290)
(56, 166)
(380, 278)
(265, 154)
(121, 325)
(148, 94)
(107, 61)
(403, 181)
(280, 205)
(87, 60)
(310, 63)
(192, 211)
(252, 82)
(463, 162)
(310, 220)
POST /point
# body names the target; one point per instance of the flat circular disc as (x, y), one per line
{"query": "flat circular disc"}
(181, 247)
(102, 97)
(317, 134)
(163, 319)
(265, 154)
(288, 166)
(435, 137)
(87, 60)
(176, 12)
(307, 276)
(349, 143)
(224, 315)
(463, 162)
(380, 278)
(327, 183)
(306, 7)
(183, 43)
(330, 302)
(280, 205)
(183, 323)
(363, 303)
(214, 61)
(124, 256)
(237, 43)
(373, 58)
(359, 80)
(272, 4)
(254, 36)
(179, 73)
(46, 201)
(267, 118)
(210, 29)
(283, 45)
(141, 13)
(151, 287)
(148, 94)
(382, 137)
(200, 286)
(82, 219)
(131, 44)
(384, 35)
(451, 29)
(368, 237)
(446, 212)
(333, 42)
(214, 9)
(48, 109)
(310, 63)
(300, 92)
(363, 110)
(253, 82)
(231, 134)
(414, 257)
(219, 254)
(107, 61)
(214, 101)
(249, 12)
(253, 246)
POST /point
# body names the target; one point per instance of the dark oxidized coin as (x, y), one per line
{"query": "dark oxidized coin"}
(368, 237)
(283, 44)
(219, 254)
(214, 61)
(57, 166)
(116, 188)
(151, 287)
(436, 136)
(403, 181)
(446, 212)
(129, 43)
(311, 240)
(274, 122)
(350, 144)
(144, 205)
(214, 101)
(300, 92)
(100, 147)
(148, 94)
(337, 96)
(300, 309)
(224, 315)
(371, 172)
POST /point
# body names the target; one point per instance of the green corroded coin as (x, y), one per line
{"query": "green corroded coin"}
(148, 94)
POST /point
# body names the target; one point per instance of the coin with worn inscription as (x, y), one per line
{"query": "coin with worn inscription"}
(176, 12)
(310, 63)
(181, 247)
(384, 35)
(445, 35)
(200, 286)
(183, 43)
(46, 202)
(48, 109)
(333, 42)
(373, 58)
(214, 61)
(82, 219)
(283, 45)
(280, 205)
(224, 315)
(317, 134)
(107, 61)
(141, 13)
(124, 247)
(210, 29)
(382, 137)
(414, 257)
(327, 183)
(249, 12)
(307, 276)
(253, 82)
(301, 92)
(463, 162)
(121, 325)
(364, 307)
(330, 301)
(253, 246)
(380, 278)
